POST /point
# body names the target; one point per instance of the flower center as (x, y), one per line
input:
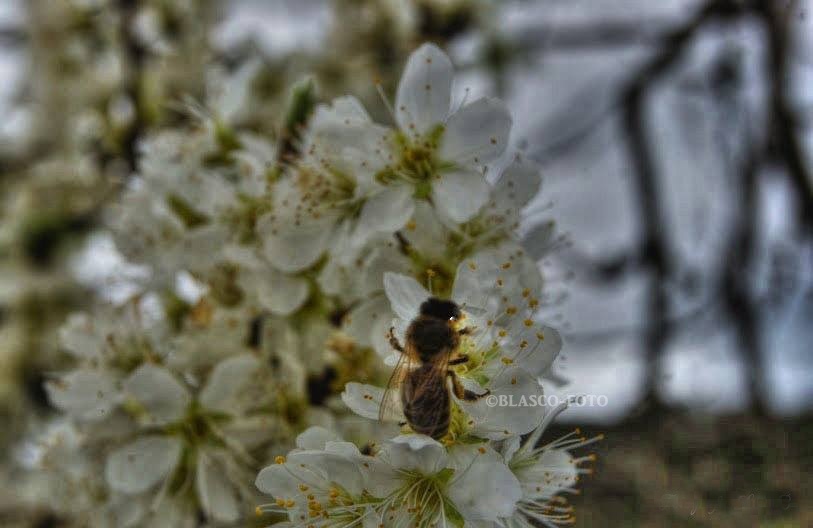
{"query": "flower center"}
(417, 162)
(422, 500)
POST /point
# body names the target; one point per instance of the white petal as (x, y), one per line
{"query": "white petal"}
(126, 512)
(80, 336)
(294, 249)
(475, 284)
(369, 322)
(140, 465)
(227, 381)
(278, 481)
(543, 344)
(477, 133)
(518, 184)
(340, 447)
(540, 240)
(553, 471)
(429, 235)
(280, 293)
(424, 90)
(335, 468)
(217, 496)
(405, 295)
(345, 110)
(315, 438)
(365, 400)
(379, 261)
(460, 194)
(415, 452)
(485, 488)
(386, 211)
(162, 396)
(519, 388)
(86, 394)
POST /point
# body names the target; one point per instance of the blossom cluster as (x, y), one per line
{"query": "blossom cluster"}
(278, 268)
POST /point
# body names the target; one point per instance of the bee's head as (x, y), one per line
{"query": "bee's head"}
(440, 309)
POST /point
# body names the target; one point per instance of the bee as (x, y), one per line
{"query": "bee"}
(422, 377)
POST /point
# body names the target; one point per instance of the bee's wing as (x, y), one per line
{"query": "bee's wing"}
(429, 384)
(390, 408)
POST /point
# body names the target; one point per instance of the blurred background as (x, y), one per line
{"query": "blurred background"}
(676, 143)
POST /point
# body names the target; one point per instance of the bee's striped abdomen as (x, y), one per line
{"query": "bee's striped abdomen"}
(425, 399)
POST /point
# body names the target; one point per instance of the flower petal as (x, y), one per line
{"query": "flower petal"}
(138, 466)
(369, 322)
(226, 382)
(278, 481)
(315, 437)
(460, 194)
(86, 394)
(416, 452)
(386, 211)
(81, 337)
(552, 472)
(365, 400)
(157, 391)
(518, 184)
(485, 489)
(477, 133)
(217, 497)
(294, 249)
(518, 388)
(280, 293)
(405, 295)
(534, 347)
(424, 90)
(540, 240)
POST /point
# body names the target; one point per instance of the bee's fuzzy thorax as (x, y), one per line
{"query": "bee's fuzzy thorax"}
(440, 309)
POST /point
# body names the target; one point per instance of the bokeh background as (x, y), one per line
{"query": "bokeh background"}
(676, 142)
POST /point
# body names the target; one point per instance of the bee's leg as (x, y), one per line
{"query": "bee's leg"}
(394, 340)
(461, 392)
(459, 360)
(465, 331)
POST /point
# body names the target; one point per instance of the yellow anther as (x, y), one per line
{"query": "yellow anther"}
(303, 487)
(511, 310)
(540, 336)
(281, 502)
(502, 333)
(528, 322)
(279, 459)
(506, 265)
(507, 360)
(472, 266)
